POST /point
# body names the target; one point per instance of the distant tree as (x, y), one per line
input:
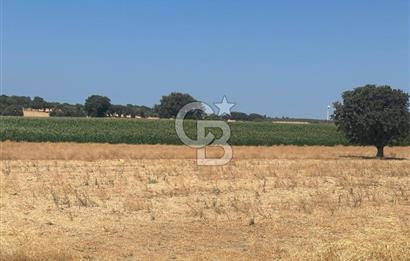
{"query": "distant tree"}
(146, 112)
(238, 116)
(172, 103)
(141, 113)
(213, 116)
(115, 110)
(38, 103)
(4, 102)
(131, 110)
(256, 117)
(54, 104)
(68, 110)
(97, 106)
(22, 101)
(373, 115)
(13, 110)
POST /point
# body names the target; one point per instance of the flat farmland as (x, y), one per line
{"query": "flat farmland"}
(71, 201)
(145, 131)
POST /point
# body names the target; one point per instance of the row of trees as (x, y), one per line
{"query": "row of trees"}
(13, 105)
(95, 106)
(170, 105)
(100, 106)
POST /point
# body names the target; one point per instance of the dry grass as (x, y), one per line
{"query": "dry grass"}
(34, 113)
(94, 201)
(98, 151)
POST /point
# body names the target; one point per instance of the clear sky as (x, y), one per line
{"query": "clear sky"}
(281, 58)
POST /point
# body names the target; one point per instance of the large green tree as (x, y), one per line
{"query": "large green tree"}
(373, 115)
(97, 106)
(38, 103)
(172, 103)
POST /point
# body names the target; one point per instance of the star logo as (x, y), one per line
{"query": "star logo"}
(224, 107)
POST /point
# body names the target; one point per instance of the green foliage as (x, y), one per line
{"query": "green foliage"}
(374, 115)
(97, 106)
(38, 103)
(160, 131)
(256, 117)
(22, 101)
(129, 110)
(12, 110)
(68, 110)
(212, 116)
(238, 116)
(172, 103)
(169, 107)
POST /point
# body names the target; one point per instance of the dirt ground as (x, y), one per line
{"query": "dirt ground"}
(70, 201)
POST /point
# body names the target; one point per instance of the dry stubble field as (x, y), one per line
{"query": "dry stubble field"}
(136, 202)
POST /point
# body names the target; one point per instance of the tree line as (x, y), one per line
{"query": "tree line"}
(94, 106)
(101, 106)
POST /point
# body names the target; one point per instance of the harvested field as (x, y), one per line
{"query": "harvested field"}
(137, 202)
(33, 113)
(97, 151)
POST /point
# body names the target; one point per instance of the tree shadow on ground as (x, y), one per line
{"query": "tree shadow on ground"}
(372, 157)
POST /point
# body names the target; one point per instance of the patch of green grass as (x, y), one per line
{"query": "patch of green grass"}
(144, 131)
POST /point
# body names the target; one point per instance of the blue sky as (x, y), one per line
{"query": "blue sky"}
(281, 58)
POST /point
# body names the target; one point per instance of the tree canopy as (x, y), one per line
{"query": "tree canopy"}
(373, 115)
(38, 103)
(97, 106)
(170, 104)
(12, 110)
(168, 108)
(68, 110)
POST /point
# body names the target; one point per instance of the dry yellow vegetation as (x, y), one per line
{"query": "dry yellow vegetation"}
(35, 113)
(138, 202)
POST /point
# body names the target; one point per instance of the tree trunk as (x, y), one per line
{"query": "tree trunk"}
(380, 152)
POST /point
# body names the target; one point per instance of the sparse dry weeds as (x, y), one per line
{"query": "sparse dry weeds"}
(77, 201)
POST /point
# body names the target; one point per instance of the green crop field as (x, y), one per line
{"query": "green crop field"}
(143, 131)
(160, 131)
(140, 131)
